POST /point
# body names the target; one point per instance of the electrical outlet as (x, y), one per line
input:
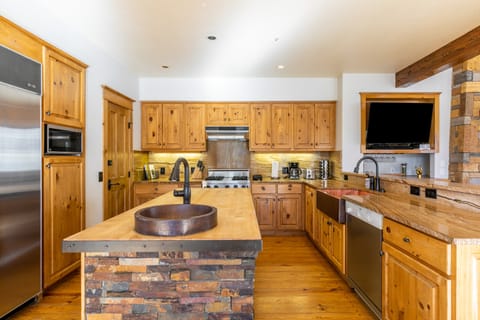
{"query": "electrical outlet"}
(431, 193)
(415, 190)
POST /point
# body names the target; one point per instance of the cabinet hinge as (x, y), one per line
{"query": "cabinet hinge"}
(129, 125)
(129, 174)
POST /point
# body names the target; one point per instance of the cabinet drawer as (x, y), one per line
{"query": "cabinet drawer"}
(432, 251)
(289, 188)
(154, 187)
(264, 188)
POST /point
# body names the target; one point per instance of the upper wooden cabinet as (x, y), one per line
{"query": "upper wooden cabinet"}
(229, 114)
(292, 127)
(173, 127)
(195, 127)
(162, 126)
(64, 90)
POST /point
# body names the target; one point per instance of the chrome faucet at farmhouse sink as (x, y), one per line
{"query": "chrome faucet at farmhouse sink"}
(186, 192)
(376, 183)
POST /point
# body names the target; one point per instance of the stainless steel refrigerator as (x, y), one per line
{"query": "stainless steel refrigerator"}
(20, 180)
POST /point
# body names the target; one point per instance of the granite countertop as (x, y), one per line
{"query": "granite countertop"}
(165, 179)
(453, 223)
(237, 227)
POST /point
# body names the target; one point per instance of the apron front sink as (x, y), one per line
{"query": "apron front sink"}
(175, 219)
(330, 202)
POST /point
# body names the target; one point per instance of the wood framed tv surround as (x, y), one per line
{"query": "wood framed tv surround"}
(428, 97)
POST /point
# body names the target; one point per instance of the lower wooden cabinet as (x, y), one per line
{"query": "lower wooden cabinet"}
(416, 281)
(63, 214)
(278, 206)
(310, 208)
(332, 240)
(145, 191)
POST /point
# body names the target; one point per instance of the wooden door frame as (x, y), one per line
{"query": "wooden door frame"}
(111, 95)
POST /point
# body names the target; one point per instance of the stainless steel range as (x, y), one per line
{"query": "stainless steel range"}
(227, 178)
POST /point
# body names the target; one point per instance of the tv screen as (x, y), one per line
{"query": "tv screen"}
(398, 125)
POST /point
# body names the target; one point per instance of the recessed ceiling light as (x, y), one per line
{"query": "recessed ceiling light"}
(165, 67)
(280, 66)
(276, 39)
(212, 38)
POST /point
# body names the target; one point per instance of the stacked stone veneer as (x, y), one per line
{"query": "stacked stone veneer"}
(169, 285)
(465, 123)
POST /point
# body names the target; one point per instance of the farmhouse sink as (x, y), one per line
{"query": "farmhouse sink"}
(175, 219)
(330, 202)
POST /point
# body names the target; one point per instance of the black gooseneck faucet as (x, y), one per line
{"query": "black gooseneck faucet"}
(186, 192)
(376, 184)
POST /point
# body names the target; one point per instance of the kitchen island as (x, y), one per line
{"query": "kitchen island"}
(207, 275)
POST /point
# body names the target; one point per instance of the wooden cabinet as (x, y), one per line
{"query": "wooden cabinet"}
(64, 214)
(260, 127)
(332, 241)
(271, 127)
(278, 207)
(162, 126)
(229, 114)
(195, 127)
(293, 127)
(310, 208)
(145, 191)
(64, 90)
(281, 127)
(416, 275)
(325, 120)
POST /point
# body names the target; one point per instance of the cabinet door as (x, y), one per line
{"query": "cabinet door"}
(304, 127)
(63, 214)
(265, 209)
(310, 202)
(411, 290)
(238, 114)
(260, 134)
(172, 126)
(195, 127)
(217, 114)
(151, 126)
(325, 233)
(338, 245)
(289, 209)
(64, 82)
(325, 126)
(282, 127)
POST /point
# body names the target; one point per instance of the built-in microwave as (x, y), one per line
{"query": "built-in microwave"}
(62, 140)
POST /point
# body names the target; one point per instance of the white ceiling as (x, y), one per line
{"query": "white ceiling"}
(311, 38)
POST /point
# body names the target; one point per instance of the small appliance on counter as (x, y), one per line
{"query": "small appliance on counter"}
(275, 170)
(150, 172)
(309, 173)
(294, 171)
(324, 170)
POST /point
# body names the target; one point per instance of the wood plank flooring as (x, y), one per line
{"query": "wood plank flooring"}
(293, 281)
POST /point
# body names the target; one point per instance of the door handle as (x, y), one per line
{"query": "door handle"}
(110, 184)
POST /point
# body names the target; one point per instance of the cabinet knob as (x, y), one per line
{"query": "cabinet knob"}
(48, 113)
(263, 188)
(48, 165)
(329, 223)
(406, 239)
(389, 230)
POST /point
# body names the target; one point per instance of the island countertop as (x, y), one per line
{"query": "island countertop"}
(237, 227)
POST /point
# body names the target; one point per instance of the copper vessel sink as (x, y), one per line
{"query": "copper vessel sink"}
(175, 219)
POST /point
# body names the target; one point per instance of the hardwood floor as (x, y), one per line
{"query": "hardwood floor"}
(293, 281)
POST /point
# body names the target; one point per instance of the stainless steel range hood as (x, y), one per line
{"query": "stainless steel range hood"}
(227, 133)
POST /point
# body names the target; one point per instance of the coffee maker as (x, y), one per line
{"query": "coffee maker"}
(294, 171)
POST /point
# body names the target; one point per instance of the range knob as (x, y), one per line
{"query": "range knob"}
(227, 186)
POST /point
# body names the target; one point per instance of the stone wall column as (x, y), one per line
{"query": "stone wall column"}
(465, 123)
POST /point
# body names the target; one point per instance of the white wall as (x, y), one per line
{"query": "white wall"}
(102, 70)
(353, 84)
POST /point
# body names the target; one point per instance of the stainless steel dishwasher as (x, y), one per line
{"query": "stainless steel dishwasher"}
(364, 254)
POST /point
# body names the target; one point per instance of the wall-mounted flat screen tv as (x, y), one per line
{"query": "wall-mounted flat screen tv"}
(398, 125)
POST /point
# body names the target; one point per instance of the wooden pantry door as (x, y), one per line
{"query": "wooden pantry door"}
(118, 153)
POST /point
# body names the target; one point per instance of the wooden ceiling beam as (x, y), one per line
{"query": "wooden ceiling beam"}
(455, 52)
